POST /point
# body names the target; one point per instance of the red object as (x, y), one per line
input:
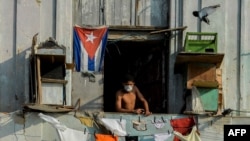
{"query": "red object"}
(182, 125)
(103, 137)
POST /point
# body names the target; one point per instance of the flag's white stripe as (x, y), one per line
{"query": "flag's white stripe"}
(84, 59)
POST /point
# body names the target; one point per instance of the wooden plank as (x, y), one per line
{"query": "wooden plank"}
(200, 72)
(220, 91)
(136, 28)
(39, 87)
(133, 33)
(134, 36)
(109, 10)
(185, 57)
(219, 80)
(218, 72)
(220, 98)
(219, 77)
(89, 12)
(167, 30)
(48, 80)
(70, 66)
(49, 108)
(133, 12)
(205, 84)
(136, 11)
(53, 93)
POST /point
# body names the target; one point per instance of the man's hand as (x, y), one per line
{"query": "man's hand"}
(147, 113)
(138, 111)
(142, 111)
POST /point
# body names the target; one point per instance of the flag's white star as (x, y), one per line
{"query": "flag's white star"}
(91, 37)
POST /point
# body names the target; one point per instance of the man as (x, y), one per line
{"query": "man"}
(126, 98)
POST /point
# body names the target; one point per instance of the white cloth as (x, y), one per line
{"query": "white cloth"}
(139, 125)
(196, 100)
(72, 135)
(158, 123)
(65, 133)
(53, 121)
(116, 126)
(193, 136)
(162, 136)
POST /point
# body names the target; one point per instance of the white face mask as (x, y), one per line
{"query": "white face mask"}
(128, 88)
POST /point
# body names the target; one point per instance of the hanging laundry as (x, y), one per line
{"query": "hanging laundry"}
(89, 48)
(131, 138)
(182, 125)
(162, 136)
(72, 135)
(116, 126)
(139, 125)
(96, 116)
(193, 136)
(103, 137)
(53, 121)
(87, 121)
(158, 123)
(65, 133)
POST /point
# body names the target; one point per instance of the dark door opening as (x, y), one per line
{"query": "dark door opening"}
(144, 60)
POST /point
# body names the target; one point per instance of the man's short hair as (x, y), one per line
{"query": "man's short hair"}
(128, 77)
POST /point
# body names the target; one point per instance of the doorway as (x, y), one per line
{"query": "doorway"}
(145, 61)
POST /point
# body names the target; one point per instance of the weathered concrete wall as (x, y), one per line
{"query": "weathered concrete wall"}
(9, 58)
(88, 92)
(20, 21)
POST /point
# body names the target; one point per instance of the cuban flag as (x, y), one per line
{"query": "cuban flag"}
(89, 47)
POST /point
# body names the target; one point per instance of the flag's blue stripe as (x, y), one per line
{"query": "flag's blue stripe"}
(91, 64)
(77, 51)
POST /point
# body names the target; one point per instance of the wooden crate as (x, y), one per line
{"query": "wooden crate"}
(203, 72)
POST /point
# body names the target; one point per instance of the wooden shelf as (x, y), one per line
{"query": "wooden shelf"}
(205, 84)
(49, 80)
(186, 57)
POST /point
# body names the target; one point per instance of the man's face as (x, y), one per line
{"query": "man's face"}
(128, 86)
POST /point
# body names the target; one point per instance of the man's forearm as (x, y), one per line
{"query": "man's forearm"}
(146, 106)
